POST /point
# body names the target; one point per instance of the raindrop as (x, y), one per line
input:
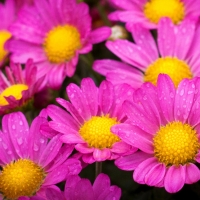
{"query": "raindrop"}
(19, 141)
(182, 92)
(171, 95)
(13, 127)
(72, 95)
(193, 86)
(190, 92)
(41, 140)
(5, 146)
(35, 147)
(178, 113)
(9, 152)
(20, 122)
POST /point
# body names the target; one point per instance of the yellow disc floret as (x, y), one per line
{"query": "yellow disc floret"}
(21, 178)
(176, 143)
(96, 132)
(156, 9)
(61, 43)
(14, 90)
(175, 68)
(4, 36)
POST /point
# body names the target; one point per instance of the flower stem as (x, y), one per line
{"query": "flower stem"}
(98, 168)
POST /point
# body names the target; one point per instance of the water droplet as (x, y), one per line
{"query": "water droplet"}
(13, 127)
(35, 147)
(182, 92)
(193, 86)
(9, 152)
(178, 112)
(41, 140)
(145, 97)
(72, 95)
(19, 141)
(5, 146)
(190, 92)
(171, 95)
(0, 139)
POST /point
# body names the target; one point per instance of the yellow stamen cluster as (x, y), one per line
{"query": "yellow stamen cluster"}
(61, 43)
(4, 36)
(176, 143)
(96, 132)
(21, 178)
(14, 90)
(175, 68)
(156, 9)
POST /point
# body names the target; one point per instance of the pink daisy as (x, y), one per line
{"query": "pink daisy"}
(30, 162)
(53, 34)
(7, 16)
(164, 124)
(18, 88)
(79, 189)
(148, 12)
(177, 51)
(93, 112)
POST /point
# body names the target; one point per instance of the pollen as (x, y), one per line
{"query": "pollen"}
(4, 36)
(13, 90)
(176, 144)
(156, 9)
(61, 43)
(21, 178)
(96, 132)
(175, 68)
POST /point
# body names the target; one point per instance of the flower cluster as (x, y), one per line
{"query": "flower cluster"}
(92, 90)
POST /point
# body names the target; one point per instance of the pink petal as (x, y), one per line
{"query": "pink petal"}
(134, 136)
(125, 49)
(100, 34)
(143, 169)
(166, 94)
(175, 178)
(192, 173)
(91, 93)
(18, 129)
(106, 96)
(131, 162)
(184, 100)
(84, 148)
(101, 154)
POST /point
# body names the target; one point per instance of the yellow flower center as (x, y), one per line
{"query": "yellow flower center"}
(13, 90)
(96, 132)
(21, 178)
(4, 36)
(61, 43)
(156, 9)
(176, 143)
(175, 68)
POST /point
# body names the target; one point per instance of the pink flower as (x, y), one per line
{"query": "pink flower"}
(18, 87)
(175, 50)
(7, 16)
(78, 189)
(163, 123)
(30, 162)
(147, 13)
(93, 112)
(53, 34)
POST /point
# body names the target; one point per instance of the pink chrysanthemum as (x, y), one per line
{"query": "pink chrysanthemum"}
(147, 13)
(177, 55)
(30, 162)
(79, 189)
(7, 16)
(18, 88)
(53, 34)
(163, 123)
(93, 112)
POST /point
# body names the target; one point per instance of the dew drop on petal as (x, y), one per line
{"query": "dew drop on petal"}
(182, 92)
(35, 147)
(20, 122)
(19, 141)
(13, 127)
